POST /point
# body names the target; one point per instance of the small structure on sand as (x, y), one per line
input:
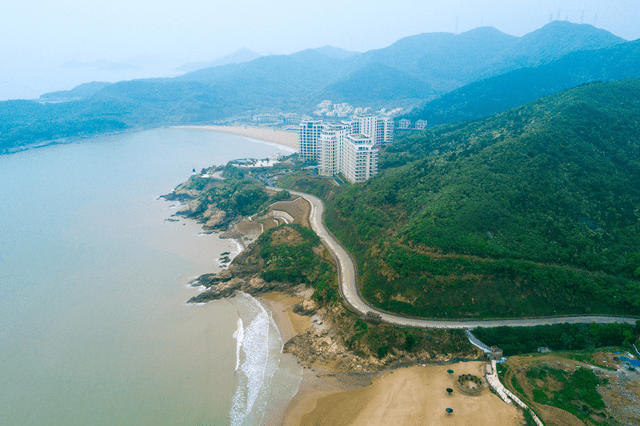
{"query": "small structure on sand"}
(449, 410)
(469, 384)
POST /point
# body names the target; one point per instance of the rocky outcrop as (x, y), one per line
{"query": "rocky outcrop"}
(325, 346)
(243, 274)
(307, 308)
(182, 193)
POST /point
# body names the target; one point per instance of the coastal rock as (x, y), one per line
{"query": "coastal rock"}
(310, 305)
(191, 207)
(219, 291)
(209, 280)
(306, 308)
(247, 263)
(224, 275)
(213, 217)
(182, 193)
(256, 283)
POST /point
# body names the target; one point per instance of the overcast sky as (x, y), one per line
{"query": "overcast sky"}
(38, 36)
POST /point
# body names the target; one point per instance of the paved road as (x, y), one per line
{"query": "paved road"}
(351, 295)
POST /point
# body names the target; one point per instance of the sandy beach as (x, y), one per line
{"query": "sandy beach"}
(279, 137)
(404, 397)
(415, 396)
(316, 382)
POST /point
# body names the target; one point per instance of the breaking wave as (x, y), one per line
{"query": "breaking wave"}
(259, 347)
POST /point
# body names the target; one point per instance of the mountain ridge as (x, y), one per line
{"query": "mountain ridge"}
(237, 57)
(278, 83)
(497, 94)
(543, 195)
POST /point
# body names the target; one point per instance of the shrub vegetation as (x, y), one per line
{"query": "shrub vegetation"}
(530, 212)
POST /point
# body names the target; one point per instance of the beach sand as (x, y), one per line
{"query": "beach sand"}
(280, 137)
(281, 306)
(409, 396)
(316, 382)
(414, 396)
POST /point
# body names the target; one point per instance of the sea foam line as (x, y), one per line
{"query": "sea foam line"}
(258, 366)
(239, 336)
(277, 145)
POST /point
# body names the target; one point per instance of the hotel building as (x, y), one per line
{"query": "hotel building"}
(309, 133)
(349, 148)
(360, 159)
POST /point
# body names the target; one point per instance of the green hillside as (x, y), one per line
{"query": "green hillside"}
(534, 211)
(498, 94)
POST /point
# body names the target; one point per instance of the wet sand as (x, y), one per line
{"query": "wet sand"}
(280, 137)
(409, 396)
(316, 382)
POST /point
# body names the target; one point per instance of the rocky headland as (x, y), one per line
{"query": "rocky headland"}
(282, 255)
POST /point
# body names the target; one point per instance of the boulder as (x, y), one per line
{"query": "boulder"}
(308, 308)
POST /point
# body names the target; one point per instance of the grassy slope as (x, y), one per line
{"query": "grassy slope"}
(529, 212)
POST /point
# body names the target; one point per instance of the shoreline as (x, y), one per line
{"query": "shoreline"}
(409, 394)
(280, 138)
(322, 390)
(316, 382)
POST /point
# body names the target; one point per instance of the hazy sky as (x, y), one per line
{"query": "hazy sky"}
(38, 36)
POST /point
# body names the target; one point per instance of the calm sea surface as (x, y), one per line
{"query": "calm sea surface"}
(93, 325)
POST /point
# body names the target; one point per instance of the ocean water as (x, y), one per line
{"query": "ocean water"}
(93, 325)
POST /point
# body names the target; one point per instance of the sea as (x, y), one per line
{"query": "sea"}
(94, 328)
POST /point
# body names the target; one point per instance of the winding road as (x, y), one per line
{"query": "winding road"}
(349, 289)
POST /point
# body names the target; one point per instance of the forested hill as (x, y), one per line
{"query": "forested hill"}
(534, 211)
(498, 94)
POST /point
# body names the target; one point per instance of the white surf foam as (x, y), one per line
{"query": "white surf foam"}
(239, 336)
(277, 145)
(258, 357)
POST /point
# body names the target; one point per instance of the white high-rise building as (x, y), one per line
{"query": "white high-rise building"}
(388, 125)
(309, 133)
(330, 148)
(349, 148)
(360, 159)
(378, 128)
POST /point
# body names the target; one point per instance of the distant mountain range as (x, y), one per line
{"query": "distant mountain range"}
(407, 73)
(82, 91)
(486, 97)
(238, 57)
